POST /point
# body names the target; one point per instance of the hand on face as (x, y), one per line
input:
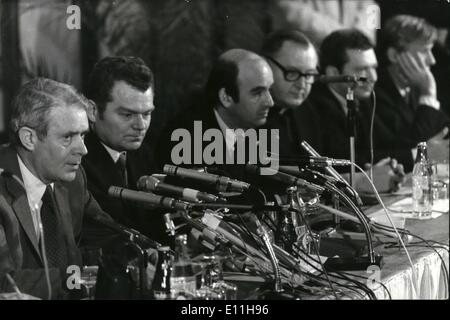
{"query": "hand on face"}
(416, 72)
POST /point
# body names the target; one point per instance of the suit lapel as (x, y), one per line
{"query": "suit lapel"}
(101, 161)
(19, 201)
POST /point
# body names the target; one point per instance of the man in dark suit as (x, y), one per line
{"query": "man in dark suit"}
(348, 52)
(122, 89)
(236, 97)
(293, 60)
(406, 89)
(44, 200)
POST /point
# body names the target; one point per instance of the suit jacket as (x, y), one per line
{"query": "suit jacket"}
(335, 140)
(186, 120)
(102, 173)
(296, 125)
(205, 114)
(19, 250)
(407, 126)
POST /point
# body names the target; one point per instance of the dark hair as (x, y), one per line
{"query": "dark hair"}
(36, 98)
(223, 75)
(333, 51)
(400, 30)
(108, 70)
(275, 40)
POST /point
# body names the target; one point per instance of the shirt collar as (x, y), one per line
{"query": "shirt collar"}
(115, 155)
(34, 187)
(400, 84)
(230, 135)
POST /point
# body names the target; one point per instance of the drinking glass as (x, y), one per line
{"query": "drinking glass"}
(88, 280)
(211, 273)
(440, 179)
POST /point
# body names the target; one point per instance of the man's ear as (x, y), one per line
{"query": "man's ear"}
(392, 55)
(92, 111)
(331, 71)
(225, 98)
(28, 138)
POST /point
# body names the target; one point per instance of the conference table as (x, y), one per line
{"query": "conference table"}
(427, 278)
(397, 278)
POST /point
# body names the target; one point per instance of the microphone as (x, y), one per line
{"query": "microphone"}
(314, 161)
(308, 175)
(341, 79)
(222, 183)
(283, 178)
(147, 199)
(331, 171)
(132, 234)
(207, 235)
(149, 183)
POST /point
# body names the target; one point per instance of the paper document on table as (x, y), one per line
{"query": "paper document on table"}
(403, 210)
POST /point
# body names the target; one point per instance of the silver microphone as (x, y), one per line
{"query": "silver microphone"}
(150, 183)
(222, 184)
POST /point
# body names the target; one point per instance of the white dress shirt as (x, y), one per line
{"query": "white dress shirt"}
(35, 189)
(230, 135)
(115, 155)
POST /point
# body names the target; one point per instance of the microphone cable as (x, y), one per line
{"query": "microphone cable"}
(389, 218)
(372, 120)
(338, 275)
(428, 245)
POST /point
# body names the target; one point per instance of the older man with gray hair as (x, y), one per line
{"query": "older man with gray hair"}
(43, 194)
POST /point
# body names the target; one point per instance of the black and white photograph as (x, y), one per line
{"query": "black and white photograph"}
(224, 154)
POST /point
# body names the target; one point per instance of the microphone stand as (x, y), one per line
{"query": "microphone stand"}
(333, 173)
(351, 130)
(354, 263)
(340, 194)
(270, 250)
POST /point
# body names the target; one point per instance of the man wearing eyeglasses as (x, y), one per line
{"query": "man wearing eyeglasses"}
(293, 60)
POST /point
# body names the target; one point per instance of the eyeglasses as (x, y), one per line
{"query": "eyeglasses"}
(294, 75)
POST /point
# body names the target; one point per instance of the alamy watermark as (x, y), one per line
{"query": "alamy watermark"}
(73, 21)
(256, 149)
(374, 278)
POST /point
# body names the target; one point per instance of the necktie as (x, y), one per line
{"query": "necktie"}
(242, 149)
(122, 167)
(55, 247)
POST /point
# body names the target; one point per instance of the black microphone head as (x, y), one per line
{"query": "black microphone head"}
(147, 183)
